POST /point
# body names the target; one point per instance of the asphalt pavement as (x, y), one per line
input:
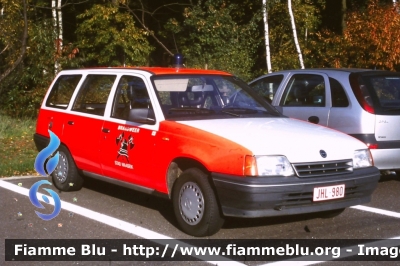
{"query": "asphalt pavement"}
(104, 211)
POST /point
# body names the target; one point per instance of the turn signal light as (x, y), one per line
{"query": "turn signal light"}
(250, 166)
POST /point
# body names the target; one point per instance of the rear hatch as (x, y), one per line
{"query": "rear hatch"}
(380, 91)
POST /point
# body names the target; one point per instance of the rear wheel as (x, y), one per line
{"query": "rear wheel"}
(66, 176)
(195, 204)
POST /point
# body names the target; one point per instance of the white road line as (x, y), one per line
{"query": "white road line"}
(376, 210)
(113, 222)
(148, 234)
(20, 177)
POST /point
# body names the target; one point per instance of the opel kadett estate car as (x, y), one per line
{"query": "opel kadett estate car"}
(204, 140)
(360, 102)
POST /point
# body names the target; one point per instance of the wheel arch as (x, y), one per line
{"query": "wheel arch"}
(177, 166)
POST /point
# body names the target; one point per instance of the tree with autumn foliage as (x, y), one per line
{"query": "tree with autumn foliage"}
(370, 40)
(373, 36)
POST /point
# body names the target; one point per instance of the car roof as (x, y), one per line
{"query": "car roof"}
(330, 70)
(165, 70)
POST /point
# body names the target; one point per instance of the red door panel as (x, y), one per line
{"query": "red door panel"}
(127, 153)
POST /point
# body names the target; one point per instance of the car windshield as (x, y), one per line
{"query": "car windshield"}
(387, 90)
(208, 97)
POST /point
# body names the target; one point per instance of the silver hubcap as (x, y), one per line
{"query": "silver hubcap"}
(61, 170)
(191, 203)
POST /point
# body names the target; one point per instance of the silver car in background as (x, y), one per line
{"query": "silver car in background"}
(360, 102)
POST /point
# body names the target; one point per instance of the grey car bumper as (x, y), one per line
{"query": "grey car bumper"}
(278, 196)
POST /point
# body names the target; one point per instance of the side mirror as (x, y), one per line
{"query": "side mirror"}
(142, 116)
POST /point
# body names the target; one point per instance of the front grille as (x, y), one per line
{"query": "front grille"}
(323, 168)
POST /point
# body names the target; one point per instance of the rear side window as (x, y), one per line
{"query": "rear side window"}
(267, 87)
(339, 97)
(93, 95)
(305, 90)
(62, 91)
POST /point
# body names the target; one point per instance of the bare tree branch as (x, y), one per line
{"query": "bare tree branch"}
(143, 23)
(172, 4)
(5, 48)
(23, 45)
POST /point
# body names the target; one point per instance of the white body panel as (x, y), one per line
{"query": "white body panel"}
(297, 140)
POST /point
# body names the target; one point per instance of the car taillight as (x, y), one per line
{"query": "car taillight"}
(362, 94)
(372, 146)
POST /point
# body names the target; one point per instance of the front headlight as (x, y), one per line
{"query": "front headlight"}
(268, 166)
(362, 158)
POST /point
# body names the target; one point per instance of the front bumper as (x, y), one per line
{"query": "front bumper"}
(278, 196)
(40, 141)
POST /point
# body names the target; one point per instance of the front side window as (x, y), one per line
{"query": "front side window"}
(305, 90)
(208, 97)
(93, 95)
(62, 91)
(267, 87)
(132, 101)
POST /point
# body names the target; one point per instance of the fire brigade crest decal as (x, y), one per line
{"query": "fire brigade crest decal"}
(125, 145)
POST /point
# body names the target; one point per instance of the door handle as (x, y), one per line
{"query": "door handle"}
(313, 119)
(70, 123)
(105, 130)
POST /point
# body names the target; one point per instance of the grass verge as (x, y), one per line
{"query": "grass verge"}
(17, 149)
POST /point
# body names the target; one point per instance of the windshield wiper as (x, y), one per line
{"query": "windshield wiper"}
(240, 110)
(191, 110)
(229, 113)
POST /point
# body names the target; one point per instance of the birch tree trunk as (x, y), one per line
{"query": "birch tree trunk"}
(57, 26)
(344, 11)
(266, 36)
(60, 27)
(296, 41)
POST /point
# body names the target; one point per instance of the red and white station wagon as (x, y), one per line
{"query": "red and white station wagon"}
(204, 140)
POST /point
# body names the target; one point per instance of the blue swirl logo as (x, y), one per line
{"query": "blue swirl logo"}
(45, 163)
(35, 201)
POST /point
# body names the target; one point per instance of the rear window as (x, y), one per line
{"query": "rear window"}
(385, 93)
(387, 90)
(62, 91)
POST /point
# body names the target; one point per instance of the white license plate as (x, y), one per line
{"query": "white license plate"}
(328, 193)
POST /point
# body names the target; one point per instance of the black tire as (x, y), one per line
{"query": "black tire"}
(205, 219)
(331, 213)
(66, 176)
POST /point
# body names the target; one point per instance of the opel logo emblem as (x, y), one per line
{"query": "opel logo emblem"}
(323, 153)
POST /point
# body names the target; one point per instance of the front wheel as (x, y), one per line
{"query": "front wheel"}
(195, 204)
(66, 176)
